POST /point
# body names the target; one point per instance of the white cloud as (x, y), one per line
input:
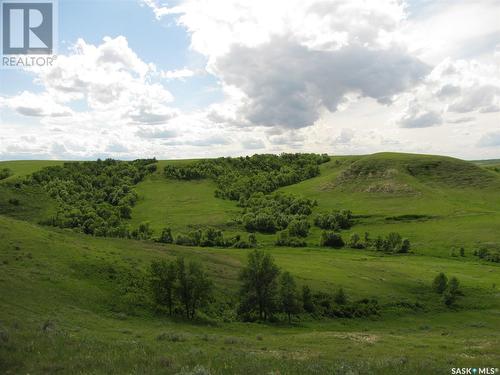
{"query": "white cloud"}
(178, 74)
(490, 140)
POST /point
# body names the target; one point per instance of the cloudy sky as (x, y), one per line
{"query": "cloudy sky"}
(199, 78)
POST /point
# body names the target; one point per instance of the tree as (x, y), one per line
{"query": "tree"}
(462, 252)
(259, 289)
(307, 300)
(202, 287)
(452, 292)
(299, 228)
(252, 240)
(163, 278)
(289, 299)
(194, 289)
(440, 283)
(166, 236)
(340, 298)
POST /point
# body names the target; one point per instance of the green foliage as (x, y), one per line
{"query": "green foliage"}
(259, 289)
(340, 297)
(355, 242)
(337, 306)
(491, 253)
(299, 228)
(94, 197)
(307, 300)
(166, 236)
(285, 239)
(392, 243)
(331, 239)
(440, 283)
(452, 292)
(275, 212)
(143, 232)
(238, 178)
(335, 220)
(5, 173)
(163, 277)
(193, 287)
(289, 298)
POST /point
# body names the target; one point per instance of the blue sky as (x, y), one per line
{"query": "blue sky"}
(140, 78)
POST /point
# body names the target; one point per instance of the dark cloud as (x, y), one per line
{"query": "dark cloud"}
(421, 120)
(287, 84)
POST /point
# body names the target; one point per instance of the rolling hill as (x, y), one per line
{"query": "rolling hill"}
(69, 303)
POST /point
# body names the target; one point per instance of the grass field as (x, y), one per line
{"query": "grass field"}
(66, 307)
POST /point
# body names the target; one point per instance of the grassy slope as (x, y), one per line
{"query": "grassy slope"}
(63, 277)
(23, 168)
(180, 204)
(48, 274)
(458, 215)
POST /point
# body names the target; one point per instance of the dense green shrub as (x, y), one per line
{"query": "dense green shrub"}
(94, 197)
(285, 239)
(238, 178)
(490, 253)
(274, 212)
(331, 239)
(5, 173)
(335, 220)
(392, 243)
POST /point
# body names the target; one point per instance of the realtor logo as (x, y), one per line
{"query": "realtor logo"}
(27, 27)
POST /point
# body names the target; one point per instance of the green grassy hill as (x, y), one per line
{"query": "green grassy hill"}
(67, 303)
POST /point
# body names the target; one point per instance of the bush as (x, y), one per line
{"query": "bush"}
(299, 228)
(331, 239)
(5, 173)
(285, 239)
(440, 283)
(166, 236)
(335, 220)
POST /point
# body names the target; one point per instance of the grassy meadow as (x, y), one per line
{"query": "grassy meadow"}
(67, 304)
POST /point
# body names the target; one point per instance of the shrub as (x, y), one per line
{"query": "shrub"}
(335, 220)
(440, 283)
(331, 239)
(5, 173)
(284, 239)
(166, 236)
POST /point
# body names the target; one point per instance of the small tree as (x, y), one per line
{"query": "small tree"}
(259, 289)
(166, 236)
(462, 252)
(252, 240)
(288, 296)
(355, 241)
(331, 239)
(307, 300)
(340, 298)
(440, 283)
(163, 278)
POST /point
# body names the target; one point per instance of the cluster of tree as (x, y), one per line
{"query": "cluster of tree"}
(274, 212)
(335, 220)
(265, 291)
(238, 178)
(94, 197)
(209, 237)
(449, 290)
(392, 243)
(4, 173)
(178, 287)
(489, 254)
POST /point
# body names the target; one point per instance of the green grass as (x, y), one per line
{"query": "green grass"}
(21, 168)
(65, 306)
(181, 205)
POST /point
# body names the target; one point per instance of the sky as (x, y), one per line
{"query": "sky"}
(197, 78)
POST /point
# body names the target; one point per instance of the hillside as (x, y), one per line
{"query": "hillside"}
(79, 301)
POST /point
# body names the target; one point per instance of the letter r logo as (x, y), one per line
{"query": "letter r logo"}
(27, 27)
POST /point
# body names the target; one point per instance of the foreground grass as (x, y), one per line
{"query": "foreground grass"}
(61, 312)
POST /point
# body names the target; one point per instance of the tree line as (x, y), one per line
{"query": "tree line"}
(265, 293)
(240, 177)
